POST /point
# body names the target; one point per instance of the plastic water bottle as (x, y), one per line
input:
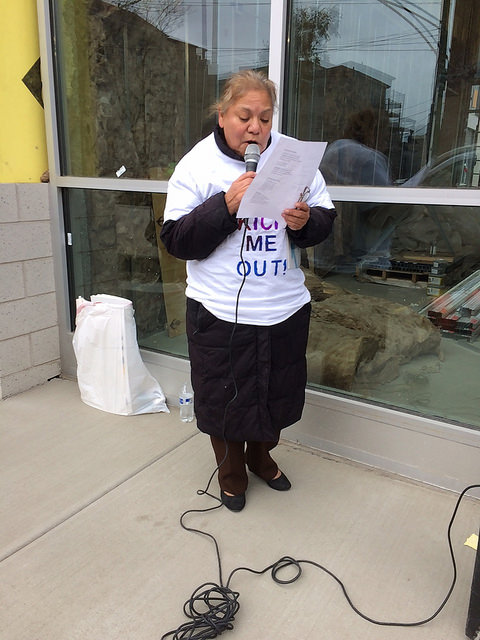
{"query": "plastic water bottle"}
(186, 404)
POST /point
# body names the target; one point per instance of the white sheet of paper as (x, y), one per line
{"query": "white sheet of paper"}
(281, 180)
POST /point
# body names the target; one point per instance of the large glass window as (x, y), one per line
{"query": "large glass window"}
(391, 85)
(371, 334)
(115, 249)
(400, 330)
(137, 78)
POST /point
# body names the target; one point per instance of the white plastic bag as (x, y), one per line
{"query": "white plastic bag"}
(110, 371)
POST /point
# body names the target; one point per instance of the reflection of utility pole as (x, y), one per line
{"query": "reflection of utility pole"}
(434, 122)
(204, 25)
(214, 69)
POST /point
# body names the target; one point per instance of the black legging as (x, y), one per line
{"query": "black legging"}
(232, 474)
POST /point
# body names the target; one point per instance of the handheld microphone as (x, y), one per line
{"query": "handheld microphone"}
(251, 157)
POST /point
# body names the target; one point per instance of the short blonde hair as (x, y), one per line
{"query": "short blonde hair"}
(239, 83)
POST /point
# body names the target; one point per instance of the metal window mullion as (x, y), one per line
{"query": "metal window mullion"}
(48, 88)
(407, 195)
(112, 184)
(276, 61)
(380, 195)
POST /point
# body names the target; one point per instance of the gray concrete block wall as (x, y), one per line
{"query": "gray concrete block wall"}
(29, 335)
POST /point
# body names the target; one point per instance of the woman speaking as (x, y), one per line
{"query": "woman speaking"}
(248, 313)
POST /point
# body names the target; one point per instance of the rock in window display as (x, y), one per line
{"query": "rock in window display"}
(356, 338)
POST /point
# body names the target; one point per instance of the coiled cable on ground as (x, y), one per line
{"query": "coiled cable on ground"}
(211, 610)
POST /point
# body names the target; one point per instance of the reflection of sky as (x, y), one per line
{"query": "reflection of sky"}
(398, 38)
(394, 37)
(234, 34)
(241, 38)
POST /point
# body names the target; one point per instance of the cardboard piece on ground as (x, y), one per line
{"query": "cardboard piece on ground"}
(173, 275)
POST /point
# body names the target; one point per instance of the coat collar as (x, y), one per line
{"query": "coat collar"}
(223, 146)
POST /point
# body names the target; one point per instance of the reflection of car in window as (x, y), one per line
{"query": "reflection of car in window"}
(374, 234)
(444, 229)
(455, 168)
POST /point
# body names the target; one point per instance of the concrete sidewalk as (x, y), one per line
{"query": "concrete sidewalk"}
(91, 547)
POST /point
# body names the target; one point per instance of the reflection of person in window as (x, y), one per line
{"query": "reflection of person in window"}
(356, 160)
(265, 349)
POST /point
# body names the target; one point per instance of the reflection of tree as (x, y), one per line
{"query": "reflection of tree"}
(162, 14)
(311, 27)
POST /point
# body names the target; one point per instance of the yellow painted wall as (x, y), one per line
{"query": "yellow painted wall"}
(23, 154)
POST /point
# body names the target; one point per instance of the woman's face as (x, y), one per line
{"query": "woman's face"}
(248, 120)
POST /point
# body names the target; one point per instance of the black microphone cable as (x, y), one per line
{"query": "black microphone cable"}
(219, 604)
(219, 588)
(252, 156)
(286, 561)
(230, 356)
(212, 607)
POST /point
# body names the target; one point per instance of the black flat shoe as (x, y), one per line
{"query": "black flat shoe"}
(282, 483)
(234, 503)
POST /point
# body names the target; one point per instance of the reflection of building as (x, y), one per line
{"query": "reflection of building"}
(472, 135)
(131, 111)
(455, 109)
(116, 119)
(328, 96)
